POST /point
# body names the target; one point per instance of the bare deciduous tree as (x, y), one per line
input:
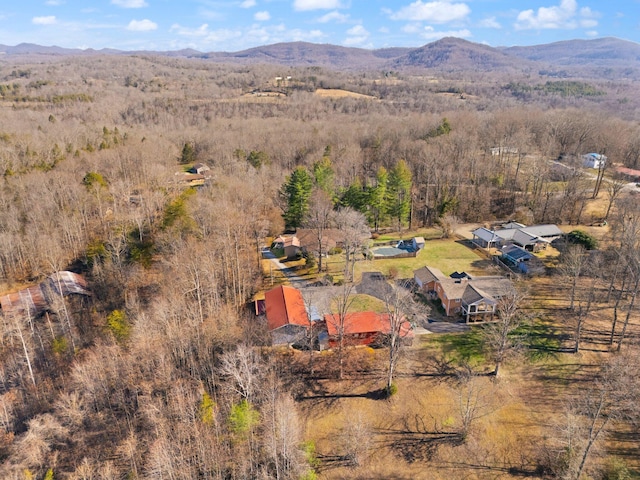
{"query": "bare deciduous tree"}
(473, 399)
(499, 336)
(355, 232)
(399, 308)
(319, 218)
(357, 440)
(244, 367)
(612, 396)
(572, 267)
(340, 320)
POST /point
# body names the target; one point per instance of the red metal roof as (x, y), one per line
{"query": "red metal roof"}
(365, 322)
(34, 300)
(630, 172)
(285, 306)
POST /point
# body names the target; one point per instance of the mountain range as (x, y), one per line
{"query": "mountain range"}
(598, 58)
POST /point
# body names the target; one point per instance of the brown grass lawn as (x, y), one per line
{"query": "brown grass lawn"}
(338, 93)
(414, 435)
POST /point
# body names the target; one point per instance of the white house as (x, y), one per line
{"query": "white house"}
(594, 160)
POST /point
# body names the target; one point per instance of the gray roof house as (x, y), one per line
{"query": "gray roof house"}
(534, 238)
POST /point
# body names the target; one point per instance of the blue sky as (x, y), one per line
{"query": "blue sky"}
(210, 25)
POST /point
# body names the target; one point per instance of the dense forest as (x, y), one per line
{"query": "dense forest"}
(163, 370)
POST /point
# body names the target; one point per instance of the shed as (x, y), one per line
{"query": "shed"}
(199, 168)
(417, 243)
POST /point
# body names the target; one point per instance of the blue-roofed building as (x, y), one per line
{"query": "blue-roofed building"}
(516, 257)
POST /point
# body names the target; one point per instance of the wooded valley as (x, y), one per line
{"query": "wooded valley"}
(164, 371)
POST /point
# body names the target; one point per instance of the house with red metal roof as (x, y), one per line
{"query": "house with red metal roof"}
(364, 328)
(32, 301)
(287, 317)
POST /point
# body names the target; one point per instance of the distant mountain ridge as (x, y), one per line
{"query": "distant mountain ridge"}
(449, 54)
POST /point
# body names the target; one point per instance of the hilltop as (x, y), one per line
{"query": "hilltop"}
(599, 58)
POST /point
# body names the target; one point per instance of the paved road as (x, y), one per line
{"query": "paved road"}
(295, 280)
(447, 327)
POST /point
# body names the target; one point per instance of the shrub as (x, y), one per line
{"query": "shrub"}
(309, 260)
(616, 469)
(393, 272)
(335, 251)
(96, 252)
(140, 251)
(392, 390)
(207, 409)
(309, 475)
(118, 325)
(580, 237)
(309, 449)
(94, 180)
(243, 417)
(59, 345)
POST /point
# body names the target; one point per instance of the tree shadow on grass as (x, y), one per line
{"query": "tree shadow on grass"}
(542, 341)
(523, 472)
(418, 446)
(377, 394)
(464, 347)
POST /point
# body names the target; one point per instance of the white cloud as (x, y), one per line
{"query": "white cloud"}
(357, 30)
(130, 3)
(49, 20)
(429, 33)
(302, 5)
(205, 39)
(565, 15)
(262, 16)
(201, 31)
(54, 3)
(142, 25)
(592, 33)
(412, 28)
(334, 16)
(210, 15)
(588, 23)
(248, 4)
(490, 22)
(357, 35)
(439, 11)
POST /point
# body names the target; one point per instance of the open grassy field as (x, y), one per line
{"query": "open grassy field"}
(446, 254)
(339, 93)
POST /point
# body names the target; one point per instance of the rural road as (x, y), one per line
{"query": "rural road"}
(295, 280)
(631, 186)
